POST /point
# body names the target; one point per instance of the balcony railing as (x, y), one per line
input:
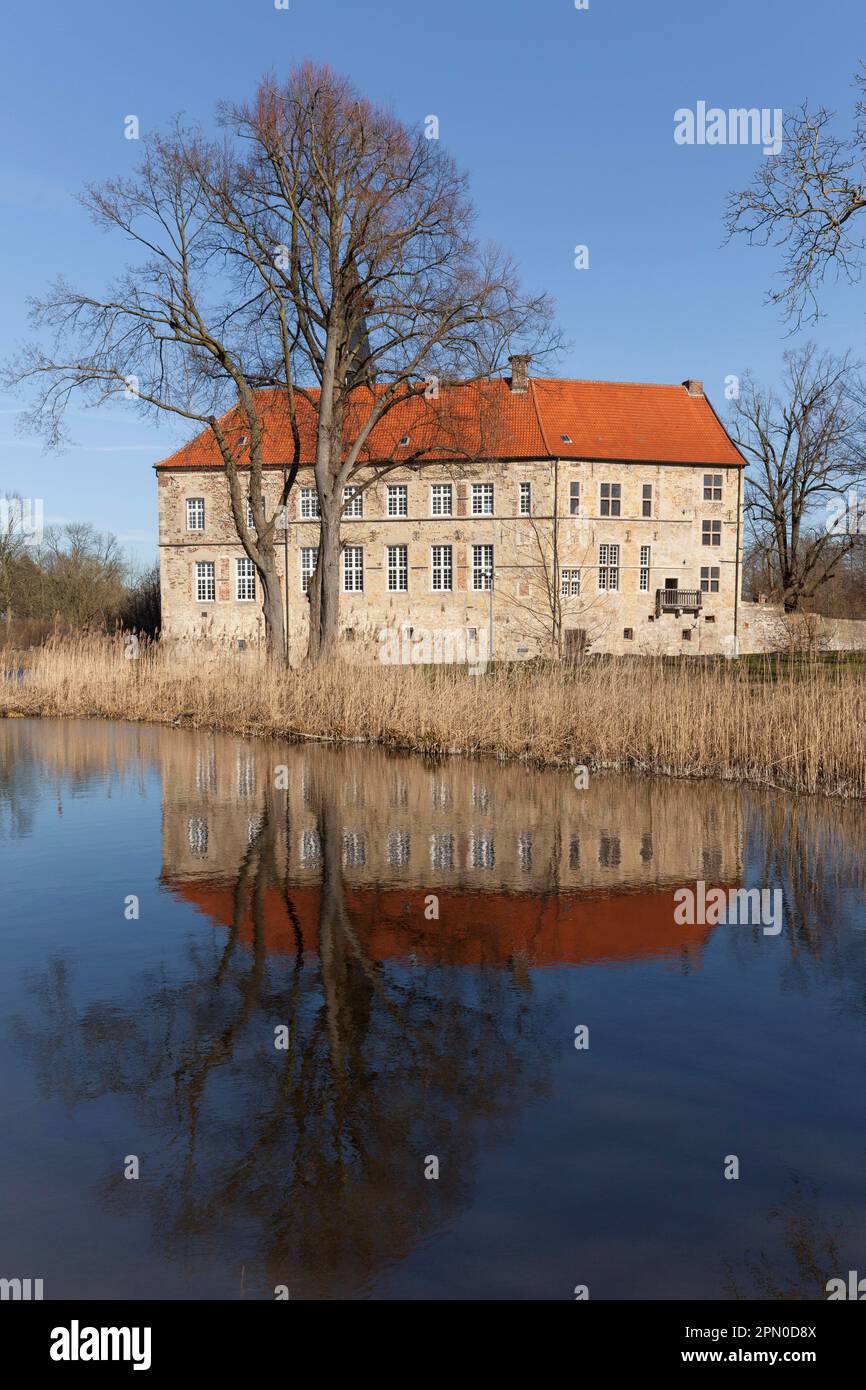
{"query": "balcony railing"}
(677, 601)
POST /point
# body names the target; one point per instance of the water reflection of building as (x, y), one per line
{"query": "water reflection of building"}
(522, 863)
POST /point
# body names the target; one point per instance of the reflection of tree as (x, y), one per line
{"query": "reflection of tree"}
(812, 1254)
(50, 758)
(308, 1161)
(815, 850)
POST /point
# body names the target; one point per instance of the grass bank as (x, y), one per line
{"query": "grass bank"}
(798, 725)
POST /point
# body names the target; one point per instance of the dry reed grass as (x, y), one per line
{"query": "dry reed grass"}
(800, 727)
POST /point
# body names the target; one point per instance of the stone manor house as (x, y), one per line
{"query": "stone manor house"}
(529, 516)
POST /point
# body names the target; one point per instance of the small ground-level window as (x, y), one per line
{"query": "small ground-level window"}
(710, 618)
(245, 579)
(205, 581)
(628, 633)
(687, 634)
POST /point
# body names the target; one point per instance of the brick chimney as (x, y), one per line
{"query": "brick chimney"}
(694, 388)
(519, 365)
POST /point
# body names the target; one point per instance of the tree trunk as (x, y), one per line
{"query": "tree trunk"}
(325, 588)
(272, 607)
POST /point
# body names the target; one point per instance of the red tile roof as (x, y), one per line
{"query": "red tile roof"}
(600, 419)
(486, 928)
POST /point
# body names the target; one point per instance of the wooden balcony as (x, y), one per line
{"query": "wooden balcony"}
(677, 601)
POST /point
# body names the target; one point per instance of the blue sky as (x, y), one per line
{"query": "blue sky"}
(563, 118)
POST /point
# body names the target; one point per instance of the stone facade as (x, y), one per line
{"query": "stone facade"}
(580, 548)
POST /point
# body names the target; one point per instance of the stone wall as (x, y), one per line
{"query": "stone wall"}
(766, 627)
(528, 553)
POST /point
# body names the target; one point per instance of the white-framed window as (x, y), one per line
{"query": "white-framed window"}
(246, 773)
(574, 498)
(205, 581)
(441, 502)
(354, 849)
(245, 579)
(646, 500)
(569, 583)
(482, 499)
(309, 560)
(309, 504)
(440, 795)
(353, 502)
(398, 499)
(195, 513)
(205, 770)
(311, 848)
(482, 567)
(441, 851)
(198, 836)
(713, 487)
(353, 569)
(610, 499)
(398, 569)
(482, 854)
(711, 533)
(709, 579)
(442, 568)
(399, 848)
(526, 499)
(524, 851)
(480, 796)
(608, 569)
(250, 521)
(644, 581)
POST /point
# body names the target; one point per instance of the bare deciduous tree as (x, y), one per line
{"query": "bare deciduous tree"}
(809, 199)
(806, 447)
(550, 597)
(321, 249)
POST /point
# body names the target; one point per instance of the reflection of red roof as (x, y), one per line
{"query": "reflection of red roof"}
(553, 419)
(473, 929)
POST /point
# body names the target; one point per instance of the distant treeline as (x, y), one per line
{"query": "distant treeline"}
(75, 577)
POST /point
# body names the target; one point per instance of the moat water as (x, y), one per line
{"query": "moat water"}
(347, 1024)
